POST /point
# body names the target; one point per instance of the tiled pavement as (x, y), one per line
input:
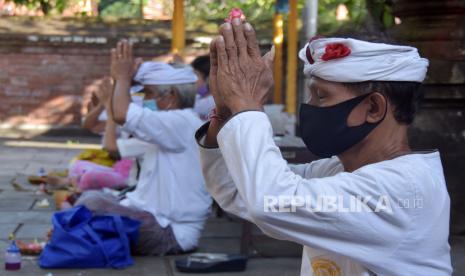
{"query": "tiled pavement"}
(19, 214)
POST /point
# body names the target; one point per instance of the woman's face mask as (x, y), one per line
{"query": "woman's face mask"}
(203, 90)
(150, 104)
(156, 101)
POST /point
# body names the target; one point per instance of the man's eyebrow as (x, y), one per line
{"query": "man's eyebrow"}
(322, 88)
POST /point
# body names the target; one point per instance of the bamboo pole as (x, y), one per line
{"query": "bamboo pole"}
(278, 38)
(291, 99)
(177, 27)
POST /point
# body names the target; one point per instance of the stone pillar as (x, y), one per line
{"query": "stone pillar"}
(437, 29)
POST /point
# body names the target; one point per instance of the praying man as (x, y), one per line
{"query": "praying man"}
(361, 100)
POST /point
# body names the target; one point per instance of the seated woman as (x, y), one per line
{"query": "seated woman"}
(90, 175)
(94, 121)
(170, 198)
(204, 102)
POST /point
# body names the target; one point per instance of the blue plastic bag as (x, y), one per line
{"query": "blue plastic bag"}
(81, 240)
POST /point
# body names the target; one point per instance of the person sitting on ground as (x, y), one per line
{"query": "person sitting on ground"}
(170, 198)
(91, 121)
(204, 101)
(95, 121)
(87, 175)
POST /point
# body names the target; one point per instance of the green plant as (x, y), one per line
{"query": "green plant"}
(327, 22)
(46, 6)
(381, 12)
(206, 14)
(121, 8)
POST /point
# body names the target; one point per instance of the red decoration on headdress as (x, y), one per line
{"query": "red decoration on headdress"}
(335, 50)
(235, 13)
(307, 51)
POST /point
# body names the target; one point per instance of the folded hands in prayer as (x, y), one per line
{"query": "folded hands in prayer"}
(240, 78)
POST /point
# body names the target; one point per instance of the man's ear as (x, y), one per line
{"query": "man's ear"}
(378, 106)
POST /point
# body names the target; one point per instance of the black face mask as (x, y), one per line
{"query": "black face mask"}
(324, 130)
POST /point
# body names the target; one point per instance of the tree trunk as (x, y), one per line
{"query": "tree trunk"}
(141, 9)
(45, 6)
(375, 16)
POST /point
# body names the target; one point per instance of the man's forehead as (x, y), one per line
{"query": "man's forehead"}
(319, 83)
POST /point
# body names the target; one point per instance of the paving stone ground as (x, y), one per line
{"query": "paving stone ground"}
(20, 214)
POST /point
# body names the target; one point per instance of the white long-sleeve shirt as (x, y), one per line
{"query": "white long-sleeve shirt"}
(171, 185)
(408, 238)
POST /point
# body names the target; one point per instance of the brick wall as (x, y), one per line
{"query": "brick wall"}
(46, 78)
(51, 85)
(48, 88)
(50, 66)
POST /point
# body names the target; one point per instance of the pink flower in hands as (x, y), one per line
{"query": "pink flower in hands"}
(235, 13)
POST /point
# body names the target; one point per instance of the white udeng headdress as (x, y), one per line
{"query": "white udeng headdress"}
(159, 73)
(352, 60)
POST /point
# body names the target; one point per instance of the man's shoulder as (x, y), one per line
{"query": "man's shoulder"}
(414, 165)
(407, 167)
(418, 173)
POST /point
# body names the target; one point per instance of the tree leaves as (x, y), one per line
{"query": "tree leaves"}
(46, 6)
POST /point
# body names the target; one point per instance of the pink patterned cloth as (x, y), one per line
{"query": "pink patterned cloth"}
(91, 176)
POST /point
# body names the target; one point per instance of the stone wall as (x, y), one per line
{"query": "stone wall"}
(436, 28)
